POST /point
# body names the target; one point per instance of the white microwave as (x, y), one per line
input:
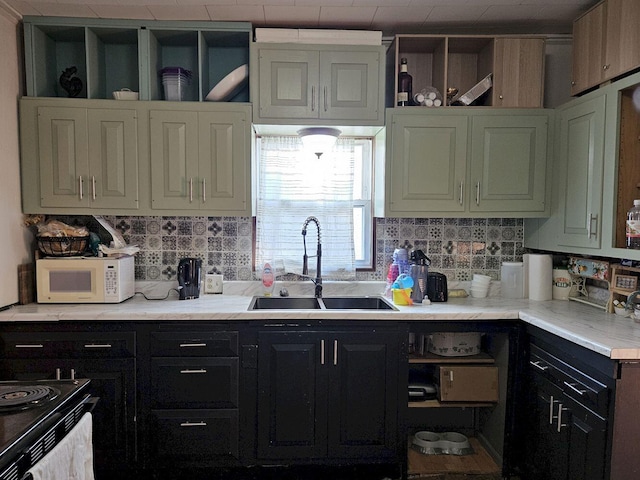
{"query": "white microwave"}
(85, 279)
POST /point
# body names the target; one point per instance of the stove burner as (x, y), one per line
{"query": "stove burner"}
(20, 397)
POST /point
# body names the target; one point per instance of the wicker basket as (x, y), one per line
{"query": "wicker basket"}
(62, 246)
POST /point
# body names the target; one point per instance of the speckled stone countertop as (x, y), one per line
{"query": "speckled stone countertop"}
(611, 335)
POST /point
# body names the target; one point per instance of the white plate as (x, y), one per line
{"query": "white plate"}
(229, 85)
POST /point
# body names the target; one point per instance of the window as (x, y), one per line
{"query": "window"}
(292, 185)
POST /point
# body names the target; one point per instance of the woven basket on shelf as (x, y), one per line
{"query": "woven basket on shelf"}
(62, 246)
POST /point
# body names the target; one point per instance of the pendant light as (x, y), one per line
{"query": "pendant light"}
(318, 139)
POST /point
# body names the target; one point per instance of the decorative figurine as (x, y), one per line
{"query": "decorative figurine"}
(70, 83)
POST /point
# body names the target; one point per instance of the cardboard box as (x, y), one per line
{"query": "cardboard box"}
(467, 383)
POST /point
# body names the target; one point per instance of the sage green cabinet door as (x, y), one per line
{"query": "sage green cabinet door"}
(289, 83)
(113, 158)
(200, 161)
(62, 147)
(349, 85)
(509, 163)
(580, 173)
(426, 164)
(174, 159)
(223, 171)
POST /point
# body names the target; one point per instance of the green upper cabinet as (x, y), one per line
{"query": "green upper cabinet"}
(317, 84)
(200, 160)
(426, 164)
(509, 163)
(79, 157)
(579, 176)
(472, 162)
(107, 55)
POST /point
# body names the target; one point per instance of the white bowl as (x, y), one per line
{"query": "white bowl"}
(475, 293)
(229, 85)
(125, 94)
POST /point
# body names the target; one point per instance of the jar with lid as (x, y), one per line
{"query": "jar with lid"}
(633, 226)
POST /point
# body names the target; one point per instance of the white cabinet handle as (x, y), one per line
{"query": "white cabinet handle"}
(335, 352)
(560, 410)
(573, 387)
(552, 402)
(93, 187)
(538, 366)
(200, 371)
(321, 352)
(98, 345)
(191, 189)
(58, 374)
(590, 231)
(204, 190)
(80, 187)
(73, 374)
(29, 345)
(477, 193)
(461, 192)
(313, 98)
(189, 345)
(326, 100)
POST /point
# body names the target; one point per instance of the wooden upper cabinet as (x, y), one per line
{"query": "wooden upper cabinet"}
(606, 43)
(622, 37)
(518, 72)
(588, 49)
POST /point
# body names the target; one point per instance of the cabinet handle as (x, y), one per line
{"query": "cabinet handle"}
(326, 104)
(93, 187)
(450, 376)
(313, 98)
(461, 192)
(29, 345)
(573, 387)
(80, 187)
(552, 417)
(58, 376)
(321, 352)
(193, 424)
(542, 368)
(500, 97)
(590, 232)
(191, 189)
(560, 410)
(98, 345)
(335, 352)
(189, 345)
(199, 371)
(204, 190)
(478, 193)
(73, 374)
(606, 67)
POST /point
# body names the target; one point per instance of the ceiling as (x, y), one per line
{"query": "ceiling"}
(390, 16)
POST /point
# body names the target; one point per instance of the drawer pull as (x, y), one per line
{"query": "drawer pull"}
(537, 365)
(201, 370)
(560, 424)
(29, 345)
(573, 387)
(97, 345)
(189, 345)
(193, 424)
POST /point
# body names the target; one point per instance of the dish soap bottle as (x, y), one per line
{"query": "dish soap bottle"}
(268, 280)
(633, 226)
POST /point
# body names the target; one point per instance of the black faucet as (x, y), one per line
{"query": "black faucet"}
(305, 268)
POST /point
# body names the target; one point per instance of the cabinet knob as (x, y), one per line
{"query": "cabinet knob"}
(500, 97)
(605, 67)
(573, 83)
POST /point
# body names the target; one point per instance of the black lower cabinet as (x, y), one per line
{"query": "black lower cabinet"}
(567, 412)
(327, 396)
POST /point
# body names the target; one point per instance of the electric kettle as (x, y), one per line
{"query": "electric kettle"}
(189, 278)
(419, 273)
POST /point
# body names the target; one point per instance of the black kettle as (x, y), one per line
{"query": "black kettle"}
(189, 278)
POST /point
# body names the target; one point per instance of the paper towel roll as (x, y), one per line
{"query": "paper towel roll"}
(525, 266)
(540, 277)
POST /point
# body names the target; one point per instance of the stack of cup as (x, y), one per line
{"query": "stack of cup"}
(480, 285)
(175, 81)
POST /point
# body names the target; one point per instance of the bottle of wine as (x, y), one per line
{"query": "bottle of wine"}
(405, 81)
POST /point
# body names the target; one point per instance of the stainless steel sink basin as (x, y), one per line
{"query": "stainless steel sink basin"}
(284, 303)
(326, 303)
(357, 303)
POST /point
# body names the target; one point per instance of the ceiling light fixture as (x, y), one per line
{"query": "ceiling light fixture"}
(318, 139)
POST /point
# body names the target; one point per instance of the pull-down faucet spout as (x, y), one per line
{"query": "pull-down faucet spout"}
(305, 268)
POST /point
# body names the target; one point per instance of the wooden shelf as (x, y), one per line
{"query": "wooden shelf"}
(453, 466)
(438, 404)
(429, 357)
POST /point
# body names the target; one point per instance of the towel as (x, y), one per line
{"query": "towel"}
(71, 458)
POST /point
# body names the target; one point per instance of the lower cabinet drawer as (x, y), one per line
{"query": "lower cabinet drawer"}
(195, 435)
(194, 382)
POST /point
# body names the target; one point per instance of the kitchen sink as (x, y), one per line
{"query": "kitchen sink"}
(359, 303)
(326, 303)
(284, 303)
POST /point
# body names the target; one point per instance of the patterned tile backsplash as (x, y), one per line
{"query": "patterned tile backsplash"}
(457, 247)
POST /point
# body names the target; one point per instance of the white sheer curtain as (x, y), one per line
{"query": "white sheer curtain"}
(293, 185)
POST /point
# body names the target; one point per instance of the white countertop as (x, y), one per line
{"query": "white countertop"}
(607, 334)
